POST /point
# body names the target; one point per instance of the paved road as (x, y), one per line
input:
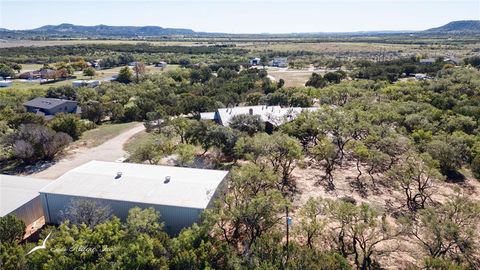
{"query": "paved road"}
(110, 150)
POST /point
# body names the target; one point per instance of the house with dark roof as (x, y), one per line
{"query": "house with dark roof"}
(428, 61)
(279, 62)
(49, 107)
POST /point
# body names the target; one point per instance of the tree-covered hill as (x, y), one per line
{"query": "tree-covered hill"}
(469, 26)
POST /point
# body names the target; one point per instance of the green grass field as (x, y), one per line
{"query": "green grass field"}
(101, 134)
(136, 141)
(30, 67)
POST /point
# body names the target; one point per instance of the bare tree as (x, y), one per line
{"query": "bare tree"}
(85, 211)
(139, 70)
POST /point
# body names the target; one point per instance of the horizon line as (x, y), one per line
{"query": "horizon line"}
(243, 33)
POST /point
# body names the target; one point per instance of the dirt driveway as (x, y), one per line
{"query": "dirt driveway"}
(110, 150)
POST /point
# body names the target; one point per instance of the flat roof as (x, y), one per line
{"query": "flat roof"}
(273, 114)
(16, 191)
(140, 183)
(207, 115)
(46, 103)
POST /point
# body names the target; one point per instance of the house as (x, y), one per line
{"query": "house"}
(428, 61)
(5, 83)
(96, 64)
(20, 197)
(421, 76)
(132, 64)
(255, 61)
(453, 61)
(48, 107)
(207, 115)
(85, 83)
(273, 116)
(30, 75)
(179, 194)
(279, 62)
(161, 64)
(42, 74)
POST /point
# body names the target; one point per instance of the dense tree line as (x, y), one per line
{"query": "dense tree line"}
(50, 54)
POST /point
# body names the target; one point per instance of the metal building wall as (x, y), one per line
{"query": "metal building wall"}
(175, 218)
(30, 211)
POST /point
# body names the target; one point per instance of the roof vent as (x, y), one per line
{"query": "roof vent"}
(167, 179)
(119, 174)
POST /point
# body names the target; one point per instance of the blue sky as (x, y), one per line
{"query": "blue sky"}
(243, 16)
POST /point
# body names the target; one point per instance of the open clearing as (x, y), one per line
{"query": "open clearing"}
(293, 78)
(102, 134)
(358, 47)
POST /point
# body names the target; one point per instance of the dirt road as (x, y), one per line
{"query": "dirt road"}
(110, 150)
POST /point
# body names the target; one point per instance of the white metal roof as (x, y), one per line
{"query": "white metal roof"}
(273, 114)
(140, 183)
(207, 115)
(15, 191)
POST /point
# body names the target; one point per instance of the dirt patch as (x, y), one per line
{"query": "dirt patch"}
(383, 198)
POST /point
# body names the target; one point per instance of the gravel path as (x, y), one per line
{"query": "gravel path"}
(110, 150)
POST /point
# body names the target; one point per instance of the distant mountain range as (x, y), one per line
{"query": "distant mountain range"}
(71, 30)
(457, 27)
(66, 30)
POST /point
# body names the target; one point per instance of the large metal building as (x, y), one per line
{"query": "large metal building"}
(179, 194)
(20, 197)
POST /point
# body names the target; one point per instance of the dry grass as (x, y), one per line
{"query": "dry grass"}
(42, 43)
(103, 133)
(382, 198)
(293, 78)
(345, 48)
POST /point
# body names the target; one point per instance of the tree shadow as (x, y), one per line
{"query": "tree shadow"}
(455, 177)
(359, 187)
(15, 166)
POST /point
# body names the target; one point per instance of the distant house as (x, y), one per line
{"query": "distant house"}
(273, 116)
(421, 76)
(428, 61)
(49, 107)
(29, 75)
(20, 197)
(5, 83)
(280, 62)
(255, 61)
(161, 64)
(85, 83)
(42, 74)
(96, 64)
(132, 64)
(453, 61)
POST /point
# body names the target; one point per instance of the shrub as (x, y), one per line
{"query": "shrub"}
(250, 124)
(35, 142)
(11, 229)
(69, 124)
